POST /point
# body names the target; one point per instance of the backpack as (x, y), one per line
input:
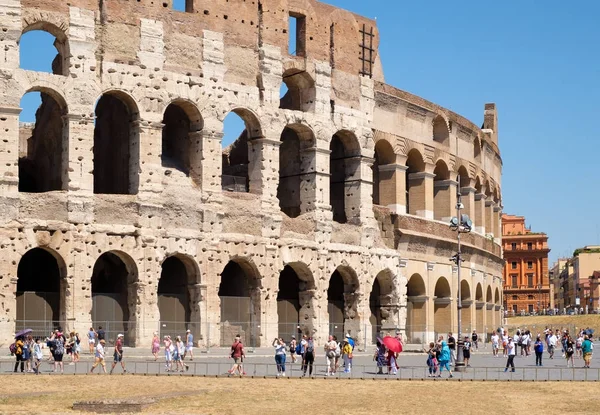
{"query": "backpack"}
(338, 352)
(520, 341)
(13, 348)
(298, 348)
(310, 347)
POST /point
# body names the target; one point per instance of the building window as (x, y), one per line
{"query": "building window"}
(513, 246)
(530, 280)
(515, 297)
(513, 265)
(530, 297)
(529, 264)
(514, 309)
(183, 6)
(513, 281)
(530, 307)
(297, 35)
(529, 246)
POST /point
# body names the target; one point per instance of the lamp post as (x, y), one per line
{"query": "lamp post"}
(461, 223)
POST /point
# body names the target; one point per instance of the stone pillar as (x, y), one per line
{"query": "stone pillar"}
(480, 213)
(10, 19)
(468, 200)
(314, 186)
(392, 187)
(9, 163)
(197, 307)
(361, 207)
(80, 171)
(82, 45)
(420, 194)
(444, 199)
(211, 161)
(489, 216)
(496, 224)
(263, 172)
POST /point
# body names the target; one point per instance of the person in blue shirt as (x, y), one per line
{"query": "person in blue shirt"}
(445, 359)
(538, 348)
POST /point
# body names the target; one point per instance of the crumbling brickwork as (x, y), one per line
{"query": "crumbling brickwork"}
(144, 213)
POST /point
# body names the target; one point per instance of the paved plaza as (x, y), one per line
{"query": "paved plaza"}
(260, 363)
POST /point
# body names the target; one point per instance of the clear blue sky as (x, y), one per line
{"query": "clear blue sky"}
(539, 61)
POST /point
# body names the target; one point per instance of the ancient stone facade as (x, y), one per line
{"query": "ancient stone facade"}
(328, 214)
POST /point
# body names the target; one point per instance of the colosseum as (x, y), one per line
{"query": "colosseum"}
(121, 206)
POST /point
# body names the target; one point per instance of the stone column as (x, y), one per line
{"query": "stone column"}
(210, 178)
(10, 12)
(392, 187)
(9, 163)
(314, 189)
(496, 224)
(444, 199)
(420, 194)
(149, 149)
(489, 213)
(468, 200)
(480, 213)
(197, 306)
(80, 171)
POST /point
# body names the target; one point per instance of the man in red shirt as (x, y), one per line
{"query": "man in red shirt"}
(237, 353)
(118, 355)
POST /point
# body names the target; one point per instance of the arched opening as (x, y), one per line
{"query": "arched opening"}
(342, 302)
(114, 295)
(489, 308)
(442, 311)
(382, 304)
(181, 140)
(301, 92)
(43, 47)
(479, 221)
(295, 308)
(463, 174)
(416, 306)
(176, 294)
(40, 292)
(480, 308)
(297, 174)
(384, 178)
(415, 185)
(239, 293)
(442, 192)
(344, 182)
(466, 302)
(43, 143)
(116, 145)
(440, 131)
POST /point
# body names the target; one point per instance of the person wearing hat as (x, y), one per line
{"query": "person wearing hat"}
(189, 345)
(99, 356)
(511, 351)
(118, 354)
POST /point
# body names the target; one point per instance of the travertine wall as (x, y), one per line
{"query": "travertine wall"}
(232, 56)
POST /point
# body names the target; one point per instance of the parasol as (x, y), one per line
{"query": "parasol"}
(392, 344)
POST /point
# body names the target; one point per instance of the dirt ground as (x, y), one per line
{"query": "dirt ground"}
(56, 394)
(582, 321)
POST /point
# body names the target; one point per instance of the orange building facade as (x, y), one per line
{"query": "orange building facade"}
(526, 282)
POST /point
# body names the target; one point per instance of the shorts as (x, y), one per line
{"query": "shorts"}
(99, 361)
(237, 360)
(587, 358)
(189, 347)
(118, 357)
(494, 346)
(58, 357)
(466, 354)
(92, 341)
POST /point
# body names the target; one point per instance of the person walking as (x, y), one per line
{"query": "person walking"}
(552, 339)
(445, 356)
(578, 343)
(379, 357)
(302, 349)
(189, 345)
(155, 347)
(169, 348)
(505, 343)
(91, 335)
(432, 362)
(99, 360)
(511, 351)
(293, 345)
(38, 356)
(237, 353)
(59, 351)
(19, 345)
(178, 352)
(347, 356)
(28, 353)
(309, 356)
(118, 354)
(538, 348)
(586, 347)
(569, 350)
(100, 334)
(330, 348)
(467, 351)
(77, 351)
(452, 347)
(280, 354)
(495, 342)
(474, 340)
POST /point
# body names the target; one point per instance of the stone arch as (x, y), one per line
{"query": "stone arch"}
(43, 163)
(181, 137)
(442, 191)
(489, 307)
(116, 144)
(41, 300)
(342, 302)
(299, 91)
(441, 131)
(239, 294)
(497, 296)
(416, 309)
(478, 292)
(238, 158)
(488, 295)
(463, 174)
(178, 293)
(344, 182)
(383, 303)
(384, 177)
(415, 186)
(442, 312)
(114, 286)
(296, 306)
(297, 156)
(465, 290)
(466, 303)
(479, 308)
(61, 63)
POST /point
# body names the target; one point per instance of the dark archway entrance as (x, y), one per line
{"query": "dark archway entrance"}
(342, 302)
(295, 308)
(239, 293)
(175, 294)
(382, 304)
(39, 299)
(114, 295)
(344, 182)
(416, 310)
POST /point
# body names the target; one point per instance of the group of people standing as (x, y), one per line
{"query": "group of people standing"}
(175, 350)
(442, 354)
(29, 352)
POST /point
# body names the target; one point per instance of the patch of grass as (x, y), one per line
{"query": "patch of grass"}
(540, 322)
(271, 396)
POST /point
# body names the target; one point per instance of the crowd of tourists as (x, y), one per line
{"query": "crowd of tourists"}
(175, 350)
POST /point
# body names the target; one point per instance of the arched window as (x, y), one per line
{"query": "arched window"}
(384, 188)
(44, 47)
(440, 131)
(299, 92)
(344, 170)
(415, 192)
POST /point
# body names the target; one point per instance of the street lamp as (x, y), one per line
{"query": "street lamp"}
(461, 223)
